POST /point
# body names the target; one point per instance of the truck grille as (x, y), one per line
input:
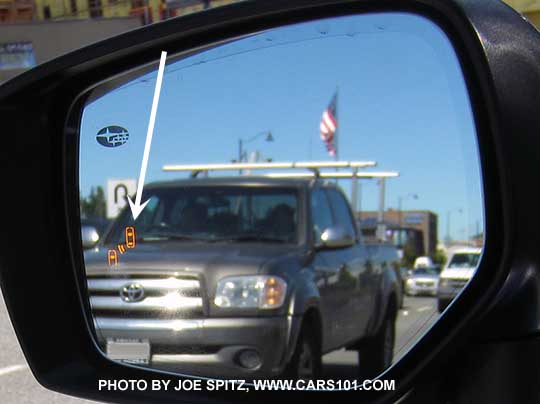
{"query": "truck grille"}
(159, 296)
(457, 283)
(425, 283)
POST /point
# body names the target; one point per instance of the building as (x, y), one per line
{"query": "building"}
(17, 10)
(148, 11)
(152, 10)
(417, 228)
(26, 44)
(411, 239)
(34, 31)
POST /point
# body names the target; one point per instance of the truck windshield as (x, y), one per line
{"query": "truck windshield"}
(213, 214)
(464, 260)
(426, 271)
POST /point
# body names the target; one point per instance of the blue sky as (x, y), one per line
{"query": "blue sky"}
(402, 102)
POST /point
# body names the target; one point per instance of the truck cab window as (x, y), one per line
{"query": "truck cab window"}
(342, 212)
(322, 215)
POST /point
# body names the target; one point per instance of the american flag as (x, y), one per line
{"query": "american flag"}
(329, 126)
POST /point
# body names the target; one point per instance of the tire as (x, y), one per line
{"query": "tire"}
(376, 354)
(306, 362)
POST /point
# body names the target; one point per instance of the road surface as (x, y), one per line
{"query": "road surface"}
(18, 386)
(416, 316)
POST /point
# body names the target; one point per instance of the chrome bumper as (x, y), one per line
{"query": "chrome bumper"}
(208, 347)
(421, 290)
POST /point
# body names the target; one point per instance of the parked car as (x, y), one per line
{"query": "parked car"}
(455, 275)
(262, 276)
(423, 262)
(422, 281)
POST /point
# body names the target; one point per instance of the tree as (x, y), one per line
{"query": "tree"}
(409, 255)
(94, 204)
(439, 258)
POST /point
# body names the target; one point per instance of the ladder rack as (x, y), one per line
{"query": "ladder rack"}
(336, 175)
(313, 166)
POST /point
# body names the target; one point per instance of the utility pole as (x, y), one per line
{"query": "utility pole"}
(381, 230)
(448, 220)
(242, 154)
(400, 215)
(146, 13)
(448, 215)
(354, 191)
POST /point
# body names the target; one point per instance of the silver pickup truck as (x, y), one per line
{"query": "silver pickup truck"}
(242, 277)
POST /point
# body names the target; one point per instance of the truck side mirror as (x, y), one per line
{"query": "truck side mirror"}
(335, 237)
(89, 236)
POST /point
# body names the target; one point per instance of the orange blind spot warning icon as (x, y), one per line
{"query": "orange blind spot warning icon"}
(130, 237)
(113, 257)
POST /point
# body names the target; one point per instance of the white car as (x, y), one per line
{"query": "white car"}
(456, 273)
(422, 281)
(423, 262)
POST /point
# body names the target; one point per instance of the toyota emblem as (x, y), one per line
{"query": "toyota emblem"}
(132, 293)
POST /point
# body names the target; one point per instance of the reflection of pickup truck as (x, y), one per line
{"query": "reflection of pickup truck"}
(242, 277)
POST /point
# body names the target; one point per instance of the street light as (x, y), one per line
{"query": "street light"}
(448, 216)
(242, 153)
(400, 202)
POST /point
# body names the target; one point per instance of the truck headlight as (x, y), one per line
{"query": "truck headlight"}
(409, 282)
(263, 292)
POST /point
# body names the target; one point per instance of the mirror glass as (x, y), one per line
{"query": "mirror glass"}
(214, 191)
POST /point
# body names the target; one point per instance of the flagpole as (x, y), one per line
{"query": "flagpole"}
(336, 134)
(310, 148)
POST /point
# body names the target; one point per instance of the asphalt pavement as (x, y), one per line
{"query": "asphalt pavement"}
(18, 385)
(415, 318)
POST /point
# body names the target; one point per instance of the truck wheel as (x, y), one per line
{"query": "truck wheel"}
(376, 354)
(306, 362)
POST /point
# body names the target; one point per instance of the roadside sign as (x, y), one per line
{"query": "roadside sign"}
(117, 192)
(414, 218)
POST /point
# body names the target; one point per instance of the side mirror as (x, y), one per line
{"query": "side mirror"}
(125, 336)
(335, 237)
(90, 236)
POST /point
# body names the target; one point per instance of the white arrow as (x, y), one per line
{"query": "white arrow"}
(137, 208)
